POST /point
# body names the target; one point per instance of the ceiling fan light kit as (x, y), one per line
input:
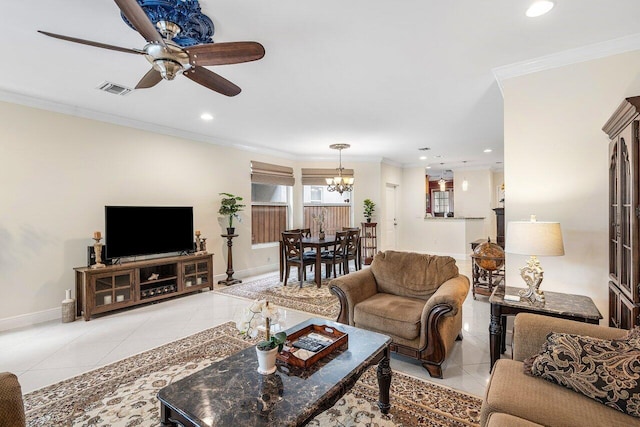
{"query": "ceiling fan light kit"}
(167, 57)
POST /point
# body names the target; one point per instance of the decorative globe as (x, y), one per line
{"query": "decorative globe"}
(488, 256)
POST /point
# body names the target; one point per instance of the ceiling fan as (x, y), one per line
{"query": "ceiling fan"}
(168, 59)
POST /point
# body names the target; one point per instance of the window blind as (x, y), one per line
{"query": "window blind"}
(266, 173)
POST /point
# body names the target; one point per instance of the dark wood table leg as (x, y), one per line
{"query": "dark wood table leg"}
(281, 256)
(318, 272)
(384, 382)
(495, 334)
(503, 337)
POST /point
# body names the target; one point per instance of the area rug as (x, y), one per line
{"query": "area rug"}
(307, 298)
(123, 394)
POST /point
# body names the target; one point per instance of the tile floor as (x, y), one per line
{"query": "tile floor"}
(50, 352)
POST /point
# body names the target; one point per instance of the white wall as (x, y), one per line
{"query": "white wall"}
(476, 201)
(556, 164)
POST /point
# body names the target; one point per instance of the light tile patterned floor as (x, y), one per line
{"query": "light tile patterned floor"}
(50, 352)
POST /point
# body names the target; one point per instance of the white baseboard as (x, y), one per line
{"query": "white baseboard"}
(30, 319)
(249, 272)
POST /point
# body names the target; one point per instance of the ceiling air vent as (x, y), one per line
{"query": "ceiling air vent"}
(113, 88)
(424, 148)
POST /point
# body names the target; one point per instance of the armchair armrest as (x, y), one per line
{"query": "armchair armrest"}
(352, 289)
(453, 292)
(530, 332)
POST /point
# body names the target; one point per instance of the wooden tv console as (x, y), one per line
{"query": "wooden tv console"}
(100, 290)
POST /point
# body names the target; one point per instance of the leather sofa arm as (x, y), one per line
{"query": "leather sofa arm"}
(530, 332)
(352, 289)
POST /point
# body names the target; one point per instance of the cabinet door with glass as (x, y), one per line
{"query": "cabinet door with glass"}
(111, 289)
(195, 274)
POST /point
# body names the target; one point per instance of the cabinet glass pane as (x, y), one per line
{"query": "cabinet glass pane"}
(202, 266)
(189, 269)
(104, 284)
(104, 299)
(123, 295)
(122, 280)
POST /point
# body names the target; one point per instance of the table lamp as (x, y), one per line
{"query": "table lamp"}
(535, 239)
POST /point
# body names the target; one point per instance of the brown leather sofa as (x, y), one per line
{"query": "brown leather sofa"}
(11, 406)
(414, 298)
(514, 399)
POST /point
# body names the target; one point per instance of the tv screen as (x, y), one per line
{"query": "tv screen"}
(147, 230)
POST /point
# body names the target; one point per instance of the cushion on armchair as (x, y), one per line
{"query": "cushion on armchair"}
(390, 314)
(411, 274)
(604, 370)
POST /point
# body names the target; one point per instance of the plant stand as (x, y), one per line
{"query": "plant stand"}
(229, 280)
(368, 242)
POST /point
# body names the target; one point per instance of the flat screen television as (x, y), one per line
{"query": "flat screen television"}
(147, 230)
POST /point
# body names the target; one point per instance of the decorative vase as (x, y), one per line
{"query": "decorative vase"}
(368, 219)
(267, 360)
(321, 235)
(231, 230)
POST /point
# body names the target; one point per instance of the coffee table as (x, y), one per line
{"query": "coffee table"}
(230, 392)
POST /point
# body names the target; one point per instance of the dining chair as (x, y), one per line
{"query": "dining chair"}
(294, 256)
(336, 255)
(352, 250)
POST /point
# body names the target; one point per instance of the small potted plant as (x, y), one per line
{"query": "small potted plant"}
(252, 317)
(369, 208)
(229, 208)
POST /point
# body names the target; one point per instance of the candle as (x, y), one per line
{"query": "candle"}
(107, 299)
(97, 235)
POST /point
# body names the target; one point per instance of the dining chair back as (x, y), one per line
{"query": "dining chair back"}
(294, 255)
(352, 250)
(336, 255)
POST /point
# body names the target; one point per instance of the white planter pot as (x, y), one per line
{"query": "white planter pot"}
(266, 361)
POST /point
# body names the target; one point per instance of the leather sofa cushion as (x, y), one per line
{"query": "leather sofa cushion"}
(390, 314)
(411, 274)
(513, 392)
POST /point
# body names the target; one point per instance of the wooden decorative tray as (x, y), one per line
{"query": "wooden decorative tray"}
(340, 341)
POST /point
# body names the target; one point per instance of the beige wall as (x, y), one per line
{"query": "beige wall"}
(59, 171)
(556, 164)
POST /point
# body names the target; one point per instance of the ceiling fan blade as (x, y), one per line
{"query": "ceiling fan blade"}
(213, 81)
(150, 79)
(91, 43)
(224, 53)
(134, 13)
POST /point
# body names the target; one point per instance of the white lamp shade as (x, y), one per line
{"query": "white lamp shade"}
(329, 181)
(534, 238)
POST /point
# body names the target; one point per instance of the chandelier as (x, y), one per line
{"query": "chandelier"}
(340, 183)
(441, 182)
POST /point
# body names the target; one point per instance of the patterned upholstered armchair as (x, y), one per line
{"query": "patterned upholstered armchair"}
(414, 298)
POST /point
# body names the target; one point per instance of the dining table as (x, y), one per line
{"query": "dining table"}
(316, 244)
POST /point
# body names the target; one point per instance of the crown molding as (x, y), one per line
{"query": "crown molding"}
(57, 107)
(567, 57)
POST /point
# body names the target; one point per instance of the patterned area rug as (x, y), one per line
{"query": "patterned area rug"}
(309, 298)
(123, 394)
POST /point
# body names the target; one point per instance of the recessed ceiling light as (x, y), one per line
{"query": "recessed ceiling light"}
(428, 167)
(206, 116)
(423, 157)
(539, 8)
(488, 150)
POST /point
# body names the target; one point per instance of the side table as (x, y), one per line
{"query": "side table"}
(566, 306)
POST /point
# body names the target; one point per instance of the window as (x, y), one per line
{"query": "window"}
(270, 201)
(315, 194)
(442, 202)
(316, 198)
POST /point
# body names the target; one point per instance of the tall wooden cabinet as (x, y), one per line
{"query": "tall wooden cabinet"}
(624, 211)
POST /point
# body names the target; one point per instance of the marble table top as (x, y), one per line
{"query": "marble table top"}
(556, 303)
(232, 393)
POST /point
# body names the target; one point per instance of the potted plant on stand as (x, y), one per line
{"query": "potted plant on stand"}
(369, 208)
(257, 314)
(229, 208)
